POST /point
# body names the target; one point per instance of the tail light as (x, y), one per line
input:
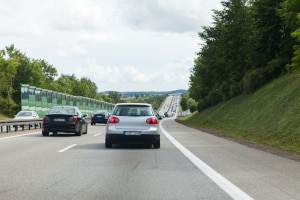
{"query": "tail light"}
(151, 120)
(93, 116)
(73, 119)
(113, 120)
(46, 119)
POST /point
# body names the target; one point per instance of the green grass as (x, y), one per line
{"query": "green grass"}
(3, 116)
(269, 116)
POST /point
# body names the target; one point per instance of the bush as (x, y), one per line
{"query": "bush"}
(252, 80)
(192, 104)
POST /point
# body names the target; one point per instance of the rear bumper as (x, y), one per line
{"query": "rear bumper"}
(67, 128)
(132, 139)
(101, 121)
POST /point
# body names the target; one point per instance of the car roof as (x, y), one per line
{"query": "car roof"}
(141, 104)
(64, 107)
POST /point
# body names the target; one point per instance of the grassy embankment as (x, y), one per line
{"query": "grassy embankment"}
(269, 116)
(3, 116)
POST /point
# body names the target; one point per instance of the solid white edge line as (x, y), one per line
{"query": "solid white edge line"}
(98, 134)
(9, 137)
(67, 148)
(232, 190)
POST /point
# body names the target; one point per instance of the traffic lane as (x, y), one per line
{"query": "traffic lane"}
(260, 174)
(90, 171)
(25, 159)
(139, 172)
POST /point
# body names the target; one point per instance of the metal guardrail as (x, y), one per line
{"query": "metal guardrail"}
(15, 125)
(184, 113)
(25, 124)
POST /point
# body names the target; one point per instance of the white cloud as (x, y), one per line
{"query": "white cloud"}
(120, 45)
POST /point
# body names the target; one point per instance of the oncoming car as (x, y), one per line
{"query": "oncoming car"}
(68, 119)
(26, 115)
(132, 123)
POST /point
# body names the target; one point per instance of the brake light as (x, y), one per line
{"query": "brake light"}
(73, 119)
(46, 119)
(93, 115)
(151, 120)
(113, 120)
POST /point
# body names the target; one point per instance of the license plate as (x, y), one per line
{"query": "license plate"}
(59, 120)
(132, 133)
(99, 116)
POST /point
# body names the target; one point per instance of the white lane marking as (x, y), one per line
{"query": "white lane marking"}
(232, 190)
(67, 148)
(98, 134)
(9, 137)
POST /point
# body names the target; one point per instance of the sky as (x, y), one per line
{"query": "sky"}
(120, 45)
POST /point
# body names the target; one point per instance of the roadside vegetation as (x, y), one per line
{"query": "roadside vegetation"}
(249, 44)
(269, 116)
(17, 68)
(245, 80)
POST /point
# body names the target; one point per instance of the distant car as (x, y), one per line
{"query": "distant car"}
(68, 119)
(99, 116)
(26, 115)
(158, 115)
(132, 123)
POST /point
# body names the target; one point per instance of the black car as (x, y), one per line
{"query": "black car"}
(99, 116)
(67, 119)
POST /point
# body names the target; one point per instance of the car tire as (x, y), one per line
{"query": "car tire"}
(79, 132)
(86, 127)
(45, 133)
(108, 144)
(156, 145)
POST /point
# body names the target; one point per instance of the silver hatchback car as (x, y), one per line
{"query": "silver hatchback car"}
(132, 123)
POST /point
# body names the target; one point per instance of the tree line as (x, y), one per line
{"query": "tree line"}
(249, 43)
(16, 69)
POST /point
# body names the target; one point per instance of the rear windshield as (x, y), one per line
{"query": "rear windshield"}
(132, 110)
(102, 112)
(25, 114)
(66, 111)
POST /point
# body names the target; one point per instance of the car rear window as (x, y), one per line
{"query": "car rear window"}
(25, 114)
(132, 110)
(101, 112)
(66, 111)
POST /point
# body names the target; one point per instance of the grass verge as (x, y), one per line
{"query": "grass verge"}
(270, 116)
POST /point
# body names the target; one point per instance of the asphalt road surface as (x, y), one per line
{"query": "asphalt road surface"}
(189, 165)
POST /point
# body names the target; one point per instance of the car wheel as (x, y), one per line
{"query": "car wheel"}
(86, 127)
(92, 124)
(156, 145)
(45, 133)
(108, 144)
(79, 132)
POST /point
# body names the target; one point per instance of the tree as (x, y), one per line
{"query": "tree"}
(192, 104)
(296, 58)
(183, 101)
(289, 11)
(8, 70)
(223, 60)
(114, 96)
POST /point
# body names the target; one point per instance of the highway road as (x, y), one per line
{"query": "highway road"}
(190, 164)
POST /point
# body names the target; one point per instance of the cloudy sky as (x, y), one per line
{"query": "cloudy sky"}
(121, 45)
